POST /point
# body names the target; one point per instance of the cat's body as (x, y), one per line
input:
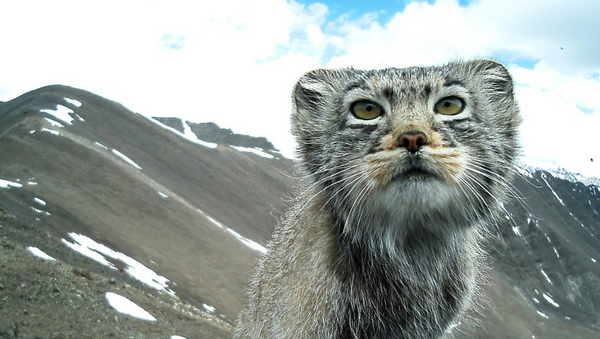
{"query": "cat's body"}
(404, 169)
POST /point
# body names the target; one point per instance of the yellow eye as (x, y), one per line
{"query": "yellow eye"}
(366, 110)
(450, 106)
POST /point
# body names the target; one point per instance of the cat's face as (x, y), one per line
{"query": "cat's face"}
(411, 141)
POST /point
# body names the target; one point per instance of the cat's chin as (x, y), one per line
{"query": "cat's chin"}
(420, 192)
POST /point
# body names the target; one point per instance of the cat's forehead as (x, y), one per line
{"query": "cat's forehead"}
(399, 82)
(403, 77)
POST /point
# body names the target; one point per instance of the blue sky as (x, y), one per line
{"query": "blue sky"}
(356, 8)
(161, 58)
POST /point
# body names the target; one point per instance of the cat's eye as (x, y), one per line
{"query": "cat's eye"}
(366, 110)
(450, 106)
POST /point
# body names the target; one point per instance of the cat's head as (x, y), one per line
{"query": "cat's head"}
(428, 138)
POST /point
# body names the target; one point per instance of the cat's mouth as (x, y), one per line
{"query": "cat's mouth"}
(414, 173)
(403, 170)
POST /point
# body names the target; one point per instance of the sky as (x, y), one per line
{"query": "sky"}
(234, 62)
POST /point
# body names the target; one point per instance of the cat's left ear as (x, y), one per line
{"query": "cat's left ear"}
(495, 75)
(495, 82)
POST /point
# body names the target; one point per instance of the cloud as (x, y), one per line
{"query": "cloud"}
(235, 62)
(561, 34)
(561, 119)
(173, 41)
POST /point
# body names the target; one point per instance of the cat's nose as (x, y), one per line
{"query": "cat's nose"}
(412, 141)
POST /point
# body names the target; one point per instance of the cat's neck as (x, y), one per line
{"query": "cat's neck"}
(422, 274)
(394, 244)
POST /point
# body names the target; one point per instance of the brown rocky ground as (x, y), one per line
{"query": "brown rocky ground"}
(66, 298)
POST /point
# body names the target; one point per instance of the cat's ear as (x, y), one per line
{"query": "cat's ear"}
(495, 82)
(495, 75)
(312, 95)
(315, 86)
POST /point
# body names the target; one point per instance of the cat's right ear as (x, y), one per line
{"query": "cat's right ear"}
(313, 92)
(316, 85)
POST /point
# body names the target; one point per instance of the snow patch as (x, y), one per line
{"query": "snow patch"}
(524, 172)
(546, 276)
(536, 300)
(542, 315)
(9, 184)
(51, 131)
(177, 337)
(256, 151)
(209, 308)
(39, 253)
(54, 123)
(550, 300)
(73, 102)
(39, 201)
(594, 260)
(61, 113)
(252, 244)
(556, 195)
(99, 144)
(38, 211)
(216, 223)
(191, 137)
(126, 159)
(87, 252)
(162, 195)
(97, 252)
(128, 307)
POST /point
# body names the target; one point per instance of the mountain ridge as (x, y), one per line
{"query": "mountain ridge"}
(211, 132)
(562, 173)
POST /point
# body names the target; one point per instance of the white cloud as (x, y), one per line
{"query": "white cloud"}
(235, 62)
(560, 33)
(561, 119)
(423, 34)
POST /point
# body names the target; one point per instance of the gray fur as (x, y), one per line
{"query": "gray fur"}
(369, 249)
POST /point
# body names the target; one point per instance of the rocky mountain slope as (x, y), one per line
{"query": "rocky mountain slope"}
(173, 216)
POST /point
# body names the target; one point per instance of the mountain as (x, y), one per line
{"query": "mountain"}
(182, 207)
(173, 215)
(211, 132)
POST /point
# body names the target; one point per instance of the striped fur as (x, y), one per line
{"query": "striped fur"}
(383, 242)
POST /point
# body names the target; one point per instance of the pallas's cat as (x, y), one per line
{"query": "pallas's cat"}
(403, 170)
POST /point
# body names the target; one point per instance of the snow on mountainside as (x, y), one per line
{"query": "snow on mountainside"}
(211, 132)
(561, 173)
(572, 177)
(108, 217)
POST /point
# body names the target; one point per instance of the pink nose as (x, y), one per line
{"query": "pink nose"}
(412, 141)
